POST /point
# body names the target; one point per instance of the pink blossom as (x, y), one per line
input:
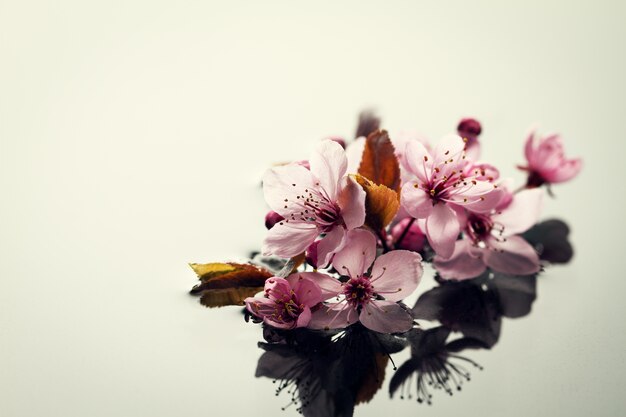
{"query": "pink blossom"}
(406, 234)
(286, 303)
(490, 240)
(393, 276)
(547, 162)
(445, 181)
(320, 202)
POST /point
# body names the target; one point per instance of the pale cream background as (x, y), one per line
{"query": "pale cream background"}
(132, 138)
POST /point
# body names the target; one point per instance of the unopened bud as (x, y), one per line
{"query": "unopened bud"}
(407, 235)
(469, 128)
(272, 218)
(311, 254)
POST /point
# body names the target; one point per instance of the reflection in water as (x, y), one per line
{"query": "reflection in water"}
(327, 373)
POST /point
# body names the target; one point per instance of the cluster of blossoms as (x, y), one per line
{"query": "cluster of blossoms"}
(361, 218)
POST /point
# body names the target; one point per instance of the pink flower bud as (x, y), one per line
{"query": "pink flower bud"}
(469, 128)
(272, 218)
(311, 254)
(413, 238)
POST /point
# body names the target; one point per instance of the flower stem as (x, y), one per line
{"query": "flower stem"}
(404, 233)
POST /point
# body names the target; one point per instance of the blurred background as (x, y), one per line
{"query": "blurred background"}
(133, 135)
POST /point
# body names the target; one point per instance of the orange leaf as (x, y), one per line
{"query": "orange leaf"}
(227, 283)
(381, 203)
(379, 162)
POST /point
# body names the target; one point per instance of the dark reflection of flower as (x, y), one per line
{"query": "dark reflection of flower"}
(434, 365)
(327, 373)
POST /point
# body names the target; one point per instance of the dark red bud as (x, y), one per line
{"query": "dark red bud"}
(413, 237)
(469, 128)
(311, 254)
(272, 218)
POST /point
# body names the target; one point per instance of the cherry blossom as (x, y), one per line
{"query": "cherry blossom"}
(369, 297)
(547, 162)
(317, 202)
(443, 181)
(490, 240)
(286, 302)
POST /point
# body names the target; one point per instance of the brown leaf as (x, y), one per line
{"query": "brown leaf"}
(379, 162)
(227, 283)
(373, 380)
(381, 203)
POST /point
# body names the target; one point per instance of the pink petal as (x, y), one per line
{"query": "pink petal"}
(417, 160)
(484, 203)
(277, 289)
(336, 316)
(354, 153)
(522, 213)
(568, 170)
(329, 245)
(449, 147)
(329, 165)
(384, 316)
(330, 287)
(278, 186)
(351, 201)
(514, 256)
(307, 291)
(442, 229)
(357, 255)
(304, 318)
(465, 262)
(395, 274)
(416, 201)
(287, 240)
(529, 147)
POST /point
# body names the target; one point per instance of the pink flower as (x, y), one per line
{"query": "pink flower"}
(547, 162)
(286, 303)
(320, 201)
(444, 181)
(393, 276)
(489, 240)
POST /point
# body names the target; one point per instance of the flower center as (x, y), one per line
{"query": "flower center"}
(314, 206)
(358, 291)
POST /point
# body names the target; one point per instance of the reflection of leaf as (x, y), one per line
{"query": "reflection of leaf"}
(379, 163)
(381, 203)
(224, 284)
(373, 380)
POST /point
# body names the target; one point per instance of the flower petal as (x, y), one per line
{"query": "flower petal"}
(416, 201)
(357, 255)
(448, 147)
(307, 291)
(354, 153)
(384, 316)
(287, 240)
(330, 287)
(304, 318)
(466, 262)
(442, 229)
(329, 165)
(329, 245)
(335, 316)
(514, 256)
(351, 201)
(286, 183)
(522, 213)
(568, 170)
(396, 274)
(417, 160)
